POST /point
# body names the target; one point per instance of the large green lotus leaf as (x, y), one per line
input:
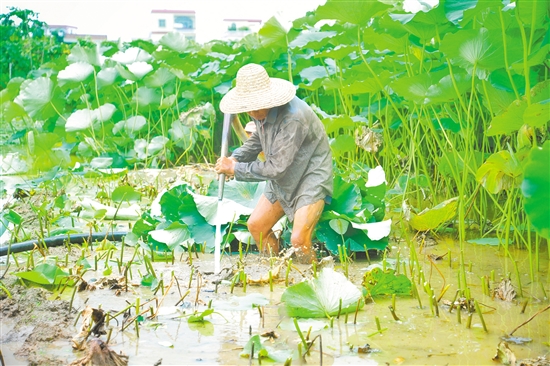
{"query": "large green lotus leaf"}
(358, 241)
(509, 121)
(44, 274)
(337, 53)
(445, 90)
(375, 230)
(378, 282)
(385, 41)
(36, 97)
(320, 297)
(273, 34)
(159, 78)
(430, 219)
(351, 11)
(145, 96)
(501, 80)
(10, 111)
(413, 88)
(125, 73)
(342, 144)
(536, 189)
(131, 125)
(176, 42)
(329, 237)
(11, 90)
(367, 85)
(131, 55)
(321, 38)
(77, 72)
(88, 55)
(244, 193)
(173, 235)
(346, 197)
(106, 77)
(81, 119)
(125, 194)
(335, 123)
(476, 51)
(537, 114)
(104, 112)
(497, 100)
(499, 172)
(533, 12)
(140, 69)
(340, 226)
(454, 9)
(220, 212)
(178, 204)
(182, 135)
(313, 76)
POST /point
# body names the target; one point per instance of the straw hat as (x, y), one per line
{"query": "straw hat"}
(255, 90)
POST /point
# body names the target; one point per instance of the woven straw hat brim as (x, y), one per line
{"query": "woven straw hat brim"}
(279, 93)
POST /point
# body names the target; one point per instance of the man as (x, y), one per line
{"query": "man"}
(298, 162)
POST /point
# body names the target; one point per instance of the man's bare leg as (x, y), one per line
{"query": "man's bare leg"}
(262, 219)
(305, 220)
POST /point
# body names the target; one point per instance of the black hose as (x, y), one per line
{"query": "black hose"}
(58, 240)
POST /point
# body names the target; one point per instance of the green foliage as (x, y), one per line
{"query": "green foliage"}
(536, 188)
(24, 44)
(45, 274)
(430, 219)
(354, 217)
(456, 93)
(378, 282)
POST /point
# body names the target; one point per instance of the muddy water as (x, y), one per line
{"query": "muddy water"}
(419, 337)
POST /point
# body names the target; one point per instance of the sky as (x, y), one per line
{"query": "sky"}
(131, 19)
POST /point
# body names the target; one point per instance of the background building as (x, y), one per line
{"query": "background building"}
(68, 34)
(236, 29)
(166, 21)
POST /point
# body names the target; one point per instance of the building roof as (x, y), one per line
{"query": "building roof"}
(243, 20)
(53, 26)
(166, 11)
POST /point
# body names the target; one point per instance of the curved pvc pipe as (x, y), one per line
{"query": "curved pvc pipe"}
(59, 240)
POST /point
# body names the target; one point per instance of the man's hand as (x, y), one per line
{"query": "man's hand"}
(226, 165)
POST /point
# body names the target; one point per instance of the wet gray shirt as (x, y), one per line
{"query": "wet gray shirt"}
(298, 166)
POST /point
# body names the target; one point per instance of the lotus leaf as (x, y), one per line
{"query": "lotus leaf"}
(500, 172)
(78, 72)
(44, 274)
(430, 219)
(536, 189)
(321, 297)
(378, 282)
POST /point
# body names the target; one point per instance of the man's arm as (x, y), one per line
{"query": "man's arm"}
(285, 147)
(249, 150)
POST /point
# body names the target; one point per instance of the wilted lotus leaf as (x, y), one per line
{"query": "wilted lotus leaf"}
(368, 139)
(505, 290)
(505, 354)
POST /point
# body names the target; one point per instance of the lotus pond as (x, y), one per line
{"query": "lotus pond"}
(402, 305)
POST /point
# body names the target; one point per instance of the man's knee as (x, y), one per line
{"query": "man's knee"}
(257, 227)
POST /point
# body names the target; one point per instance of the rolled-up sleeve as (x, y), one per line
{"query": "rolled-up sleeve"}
(283, 151)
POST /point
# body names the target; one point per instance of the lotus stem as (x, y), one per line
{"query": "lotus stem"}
(478, 309)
